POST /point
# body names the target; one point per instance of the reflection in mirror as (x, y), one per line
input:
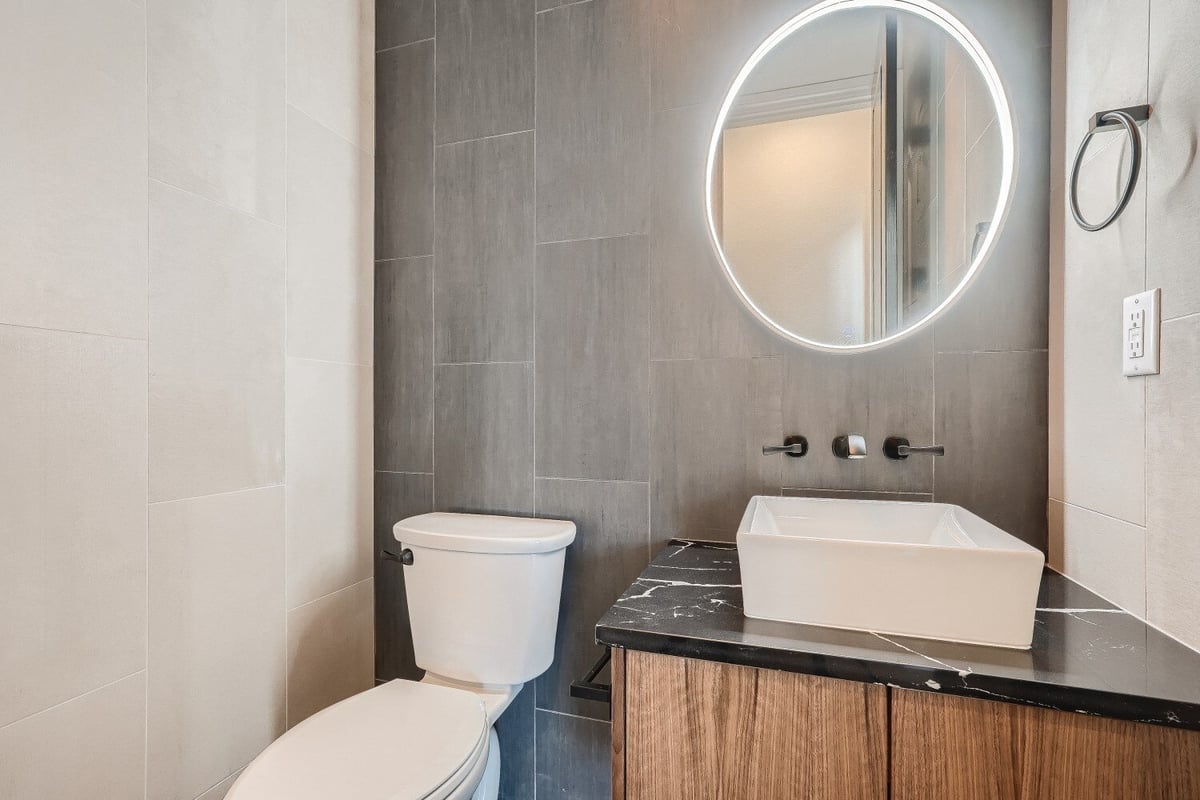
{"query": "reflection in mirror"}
(858, 174)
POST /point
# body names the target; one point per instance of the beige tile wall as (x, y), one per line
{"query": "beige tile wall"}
(1123, 466)
(185, 350)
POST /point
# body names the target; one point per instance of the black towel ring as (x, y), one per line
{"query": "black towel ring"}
(1126, 118)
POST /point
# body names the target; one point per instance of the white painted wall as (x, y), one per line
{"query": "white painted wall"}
(185, 354)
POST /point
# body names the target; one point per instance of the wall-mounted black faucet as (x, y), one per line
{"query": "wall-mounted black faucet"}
(898, 448)
(794, 446)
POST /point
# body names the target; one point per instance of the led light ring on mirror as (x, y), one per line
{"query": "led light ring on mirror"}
(944, 20)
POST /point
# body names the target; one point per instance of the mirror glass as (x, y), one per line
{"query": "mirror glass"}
(859, 171)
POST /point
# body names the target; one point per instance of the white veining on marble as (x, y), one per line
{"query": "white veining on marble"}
(1074, 611)
(962, 672)
(666, 584)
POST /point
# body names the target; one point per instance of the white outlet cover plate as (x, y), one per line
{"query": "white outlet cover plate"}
(1139, 334)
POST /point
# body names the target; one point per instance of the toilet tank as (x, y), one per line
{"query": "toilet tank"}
(483, 593)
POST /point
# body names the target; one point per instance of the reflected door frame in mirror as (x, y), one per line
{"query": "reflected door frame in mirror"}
(983, 247)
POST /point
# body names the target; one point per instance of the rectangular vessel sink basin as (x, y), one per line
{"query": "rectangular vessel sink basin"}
(931, 570)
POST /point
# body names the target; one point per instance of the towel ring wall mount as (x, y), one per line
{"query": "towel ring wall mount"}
(1126, 119)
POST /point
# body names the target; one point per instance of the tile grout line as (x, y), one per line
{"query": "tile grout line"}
(650, 129)
(218, 783)
(561, 6)
(115, 337)
(481, 363)
(533, 350)
(1148, 152)
(402, 46)
(592, 480)
(572, 716)
(379, 261)
(221, 203)
(327, 595)
(898, 492)
(1078, 507)
(322, 360)
(79, 696)
(629, 235)
(293, 107)
(242, 490)
(433, 269)
(287, 711)
(1181, 317)
(533, 400)
(993, 352)
(933, 415)
(481, 138)
(149, 296)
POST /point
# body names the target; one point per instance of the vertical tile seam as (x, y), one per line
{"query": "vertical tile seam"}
(433, 271)
(652, 43)
(1145, 280)
(287, 711)
(533, 400)
(533, 251)
(933, 415)
(149, 267)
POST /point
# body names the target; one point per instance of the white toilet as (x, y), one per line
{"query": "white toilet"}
(483, 595)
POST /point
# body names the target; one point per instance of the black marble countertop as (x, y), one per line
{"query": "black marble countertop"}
(1088, 656)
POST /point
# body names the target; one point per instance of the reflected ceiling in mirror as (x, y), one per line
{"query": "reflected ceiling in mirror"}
(859, 172)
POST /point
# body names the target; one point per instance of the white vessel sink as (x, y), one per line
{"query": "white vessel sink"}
(914, 569)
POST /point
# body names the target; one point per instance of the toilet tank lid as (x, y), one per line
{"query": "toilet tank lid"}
(484, 533)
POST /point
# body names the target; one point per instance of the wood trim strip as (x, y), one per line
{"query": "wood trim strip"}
(617, 710)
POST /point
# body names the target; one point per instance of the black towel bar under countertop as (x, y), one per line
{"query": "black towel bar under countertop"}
(586, 688)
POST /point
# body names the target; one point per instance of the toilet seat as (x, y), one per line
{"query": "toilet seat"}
(472, 768)
(402, 740)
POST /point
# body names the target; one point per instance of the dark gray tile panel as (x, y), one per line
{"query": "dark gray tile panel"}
(485, 61)
(593, 391)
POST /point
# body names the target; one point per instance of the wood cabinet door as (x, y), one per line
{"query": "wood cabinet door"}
(967, 749)
(700, 730)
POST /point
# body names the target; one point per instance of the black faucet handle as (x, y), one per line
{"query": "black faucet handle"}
(898, 449)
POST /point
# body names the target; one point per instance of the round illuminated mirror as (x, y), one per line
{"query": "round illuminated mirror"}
(859, 171)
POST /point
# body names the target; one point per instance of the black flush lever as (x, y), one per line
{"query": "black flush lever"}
(405, 557)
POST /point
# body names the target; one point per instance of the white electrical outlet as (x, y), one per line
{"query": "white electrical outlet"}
(1139, 339)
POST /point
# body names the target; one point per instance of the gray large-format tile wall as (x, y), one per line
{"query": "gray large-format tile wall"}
(1124, 463)
(554, 336)
(186, 356)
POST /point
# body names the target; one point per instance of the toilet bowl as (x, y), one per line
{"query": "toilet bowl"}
(483, 594)
(402, 739)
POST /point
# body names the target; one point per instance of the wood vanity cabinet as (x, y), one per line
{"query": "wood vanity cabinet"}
(686, 729)
(703, 730)
(959, 747)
